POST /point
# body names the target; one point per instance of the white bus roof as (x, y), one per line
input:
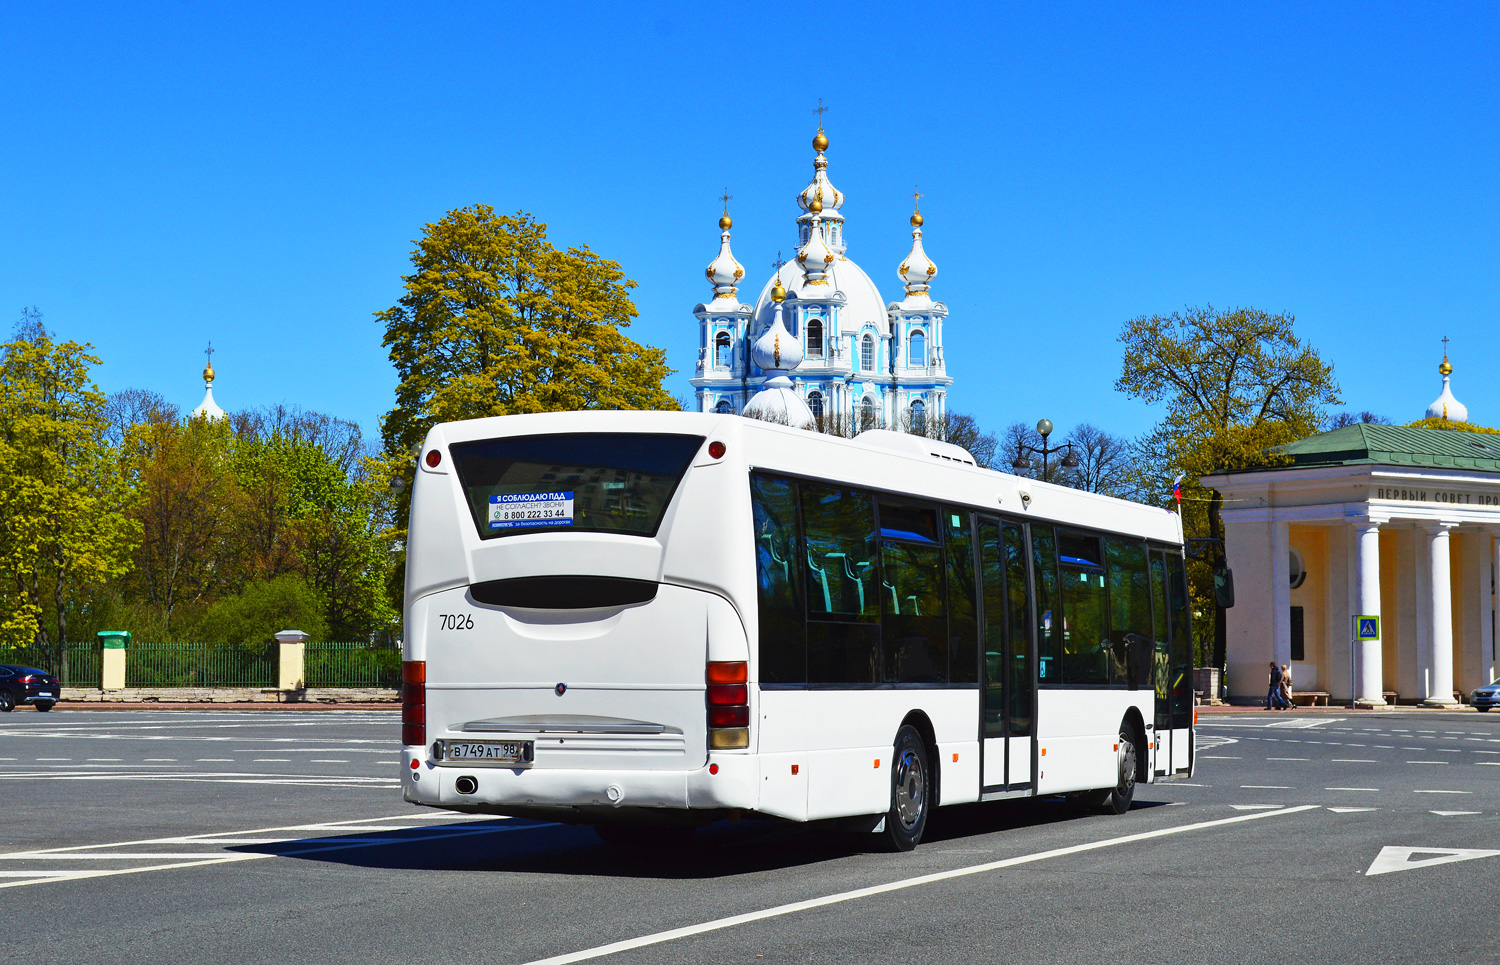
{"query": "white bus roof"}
(881, 460)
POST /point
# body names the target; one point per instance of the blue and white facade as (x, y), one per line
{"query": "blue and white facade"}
(865, 363)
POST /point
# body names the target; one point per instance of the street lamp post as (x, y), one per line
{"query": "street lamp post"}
(1044, 429)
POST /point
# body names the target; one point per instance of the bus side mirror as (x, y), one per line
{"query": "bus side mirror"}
(1224, 587)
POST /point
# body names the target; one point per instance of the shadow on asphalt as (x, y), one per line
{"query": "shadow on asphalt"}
(723, 849)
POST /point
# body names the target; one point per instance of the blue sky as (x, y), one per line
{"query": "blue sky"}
(255, 174)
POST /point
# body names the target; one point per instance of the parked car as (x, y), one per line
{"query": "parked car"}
(1487, 696)
(27, 685)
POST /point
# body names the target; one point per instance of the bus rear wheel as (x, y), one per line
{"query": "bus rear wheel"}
(1116, 800)
(911, 792)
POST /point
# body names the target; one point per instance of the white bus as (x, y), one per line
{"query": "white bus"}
(646, 621)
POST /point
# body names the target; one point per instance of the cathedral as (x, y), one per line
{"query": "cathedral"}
(864, 363)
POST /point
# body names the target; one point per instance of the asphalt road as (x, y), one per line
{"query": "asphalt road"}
(209, 836)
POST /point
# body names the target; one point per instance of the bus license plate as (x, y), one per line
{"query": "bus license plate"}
(493, 752)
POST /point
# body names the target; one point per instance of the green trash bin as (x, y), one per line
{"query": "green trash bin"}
(113, 643)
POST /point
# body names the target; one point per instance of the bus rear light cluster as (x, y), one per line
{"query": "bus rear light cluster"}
(728, 705)
(414, 702)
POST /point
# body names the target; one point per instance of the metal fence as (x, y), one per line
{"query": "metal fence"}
(351, 665)
(198, 665)
(83, 662)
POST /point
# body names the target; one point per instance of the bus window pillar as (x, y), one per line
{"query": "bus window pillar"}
(1437, 659)
(1366, 574)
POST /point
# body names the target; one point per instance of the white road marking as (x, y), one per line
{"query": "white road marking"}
(1255, 807)
(272, 760)
(1266, 787)
(1351, 810)
(798, 906)
(1351, 760)
(1288, 758)
(170, 760)
(106, 758)
(1414, 791)
(327, 761)
(1487, 763)
(1400, 859)
(1220, 757)
(1351, 788)
(1454, 814)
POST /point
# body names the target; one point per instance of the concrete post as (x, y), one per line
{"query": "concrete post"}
(1437, 689)
(290, 674)
(1366, 574)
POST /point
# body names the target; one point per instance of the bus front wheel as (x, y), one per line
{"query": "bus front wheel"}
(911, 792)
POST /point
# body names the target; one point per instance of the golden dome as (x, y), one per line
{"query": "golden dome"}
(778, 294)
(820, 142)
(724, 223)
(815, 206)
(916, 219)
(1445, 368)
(208, 373)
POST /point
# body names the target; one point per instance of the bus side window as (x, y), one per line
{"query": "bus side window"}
(1129, 613)
(1085, 624)
(1163, 661)
(843, 586)
(778, 577)
(1019, 619)
(914, 628)
(963, 625)
(1048, 609)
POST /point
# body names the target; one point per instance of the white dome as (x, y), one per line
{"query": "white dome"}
(862, 303)
(1445, 406)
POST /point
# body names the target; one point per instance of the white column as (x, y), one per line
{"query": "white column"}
(1366, 574)
(1437, 690)
(1339, 597)
(1491, 577)
(1281, 593)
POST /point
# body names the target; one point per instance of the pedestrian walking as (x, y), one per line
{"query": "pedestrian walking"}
(1274, 688)
(1285, 689)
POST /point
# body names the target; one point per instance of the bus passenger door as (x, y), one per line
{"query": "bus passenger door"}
(1161, 671)
(1009, 685)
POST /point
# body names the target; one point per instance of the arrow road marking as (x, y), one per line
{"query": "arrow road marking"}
(1400, 859)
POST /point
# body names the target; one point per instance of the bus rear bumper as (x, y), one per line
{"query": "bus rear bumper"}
(725, 781)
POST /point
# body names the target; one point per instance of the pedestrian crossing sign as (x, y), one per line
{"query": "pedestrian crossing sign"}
(1367, 628)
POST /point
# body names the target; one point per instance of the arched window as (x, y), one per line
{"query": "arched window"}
(918, 416)
(815, 403)
(916, 354)
(722, 352)
(867, 353)
(724, 408)
(814, 338)
(867, 411)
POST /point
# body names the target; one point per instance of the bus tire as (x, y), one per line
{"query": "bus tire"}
(1116, 800)
(911, 791)
(645, 840)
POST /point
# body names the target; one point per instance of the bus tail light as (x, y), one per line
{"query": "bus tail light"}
(414, 702)
(728, 700)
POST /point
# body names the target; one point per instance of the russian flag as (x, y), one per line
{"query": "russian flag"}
(1177, 490)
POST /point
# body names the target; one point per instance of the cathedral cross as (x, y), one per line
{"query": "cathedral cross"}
(1445, 346)
(916, 197)
(820, 112)
(210, 353)
(778, 263)
(726, 197)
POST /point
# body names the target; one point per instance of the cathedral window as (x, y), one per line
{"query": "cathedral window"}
(815, 403)
(867, 411)
(722, 351)
(867, 353)
(916, 354)
(815, 338)
(918, 416)
(724, 408)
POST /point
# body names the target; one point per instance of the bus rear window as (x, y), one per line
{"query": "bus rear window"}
(582, 482)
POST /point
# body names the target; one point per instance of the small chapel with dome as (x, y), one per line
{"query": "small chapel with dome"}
(843, 357)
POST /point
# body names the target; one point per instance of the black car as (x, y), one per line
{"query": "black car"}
(27, 685)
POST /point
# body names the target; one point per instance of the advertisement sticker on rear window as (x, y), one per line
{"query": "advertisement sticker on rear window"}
(516, 510)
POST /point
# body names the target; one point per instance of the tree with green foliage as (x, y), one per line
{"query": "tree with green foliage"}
(252, 617)
(496, 321)
(63, 525)
(1235, 385)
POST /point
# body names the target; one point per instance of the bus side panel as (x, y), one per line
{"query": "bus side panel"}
(438, 520)
(1076, 736)
(850, 775)
(707, 534)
